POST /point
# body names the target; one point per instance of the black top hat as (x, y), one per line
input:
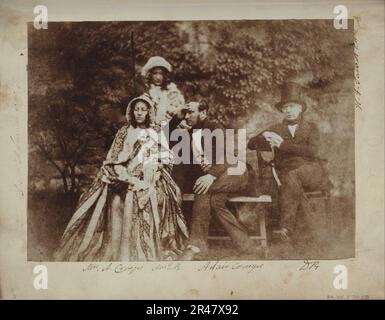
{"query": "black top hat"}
(291, 92)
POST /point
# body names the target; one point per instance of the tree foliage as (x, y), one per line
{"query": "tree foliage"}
(235, 65)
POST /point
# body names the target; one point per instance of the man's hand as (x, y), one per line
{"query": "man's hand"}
(184, 125)
(273, 138)
(268, 135)
(203, 184)
(181, 110)
(276, 143)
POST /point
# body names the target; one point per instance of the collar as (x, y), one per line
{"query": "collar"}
(293, 122)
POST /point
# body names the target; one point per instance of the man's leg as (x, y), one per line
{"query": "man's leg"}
(221, 190)
(203, 206)
(230, 184)
(229, 222)
(292, 191)
(200, 222)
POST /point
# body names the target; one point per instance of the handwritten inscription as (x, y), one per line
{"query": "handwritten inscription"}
(175, 266)
(309, 266)
(357, 84)
(113, 267)
(208, 266)
(131, 268)
(217, 266)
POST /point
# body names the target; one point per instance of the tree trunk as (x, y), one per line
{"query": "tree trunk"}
(65, 184)
(73, 180)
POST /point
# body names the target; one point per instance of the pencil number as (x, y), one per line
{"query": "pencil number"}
(309, 266)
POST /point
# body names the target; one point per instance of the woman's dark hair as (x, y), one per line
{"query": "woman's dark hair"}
(132, 116)
(166, 77)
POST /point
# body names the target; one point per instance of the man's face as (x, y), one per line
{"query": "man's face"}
(193, 115)
(292, 110)
(157, 76)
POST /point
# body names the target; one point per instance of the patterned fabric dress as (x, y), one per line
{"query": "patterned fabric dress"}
(115, 221)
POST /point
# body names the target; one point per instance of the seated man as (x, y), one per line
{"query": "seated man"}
(295, 144)
(211, 184)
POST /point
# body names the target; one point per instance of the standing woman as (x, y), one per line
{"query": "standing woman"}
(166, 96)
(132, 210)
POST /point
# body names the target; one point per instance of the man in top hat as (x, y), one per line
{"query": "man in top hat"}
(295, 144)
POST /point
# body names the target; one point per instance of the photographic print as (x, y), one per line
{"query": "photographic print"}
(218, 150)
(292, 93)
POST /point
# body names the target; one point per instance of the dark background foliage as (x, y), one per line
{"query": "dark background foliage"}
(82, 75)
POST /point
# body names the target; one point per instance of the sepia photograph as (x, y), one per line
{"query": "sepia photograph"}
(192, 150)
(286, 96)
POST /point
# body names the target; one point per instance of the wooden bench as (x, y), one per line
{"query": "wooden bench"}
(261, 217)
(262, 237)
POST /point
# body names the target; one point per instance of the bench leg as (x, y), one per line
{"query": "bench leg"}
(262, 229)
(329, 216)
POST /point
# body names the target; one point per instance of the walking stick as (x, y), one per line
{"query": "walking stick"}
(272, 165)
(133, 61)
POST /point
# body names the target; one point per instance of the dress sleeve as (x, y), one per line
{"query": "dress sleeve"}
(117, 145)
(112, 170)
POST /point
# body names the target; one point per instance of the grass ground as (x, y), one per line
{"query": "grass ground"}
(49, 213)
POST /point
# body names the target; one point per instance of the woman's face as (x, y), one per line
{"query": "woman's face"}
(157, 76)
(140, 112)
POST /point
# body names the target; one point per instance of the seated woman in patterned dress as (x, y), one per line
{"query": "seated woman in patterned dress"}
(132, 210)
